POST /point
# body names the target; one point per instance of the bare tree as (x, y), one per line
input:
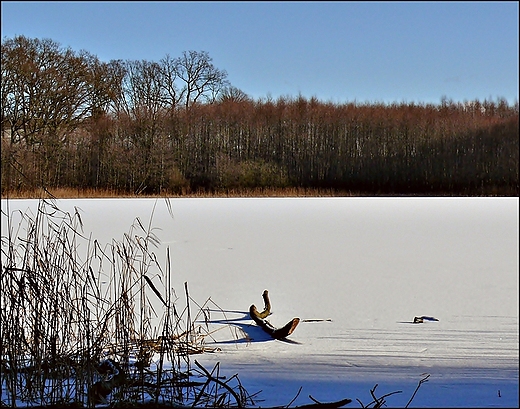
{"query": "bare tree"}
(142, 92)
(233, 94)
(48, 90)
(172, 96)
(106, 80)
(200, 77)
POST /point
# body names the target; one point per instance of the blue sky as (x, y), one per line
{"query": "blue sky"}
(335, 51)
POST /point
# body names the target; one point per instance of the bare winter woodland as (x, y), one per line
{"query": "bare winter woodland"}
(178, 126)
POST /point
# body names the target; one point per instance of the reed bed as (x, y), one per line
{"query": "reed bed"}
(80, 322)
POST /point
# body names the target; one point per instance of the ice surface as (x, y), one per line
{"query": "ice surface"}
(370, 265)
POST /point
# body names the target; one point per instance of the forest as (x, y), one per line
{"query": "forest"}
(178, 127)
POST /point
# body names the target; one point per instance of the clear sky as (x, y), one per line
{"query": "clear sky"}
(335, 51)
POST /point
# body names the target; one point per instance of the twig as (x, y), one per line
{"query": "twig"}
(425, 379)
(317, 320)
(218, 381)
(293, 399)
(378, 402)
(314, 400)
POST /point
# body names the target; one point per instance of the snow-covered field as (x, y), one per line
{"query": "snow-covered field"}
(362, 267)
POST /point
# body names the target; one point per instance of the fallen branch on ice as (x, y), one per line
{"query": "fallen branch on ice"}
(259, 318)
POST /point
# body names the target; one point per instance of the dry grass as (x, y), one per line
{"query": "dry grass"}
(70, 193)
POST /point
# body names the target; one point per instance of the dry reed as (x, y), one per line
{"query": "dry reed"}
(71, 193)
(72, 325)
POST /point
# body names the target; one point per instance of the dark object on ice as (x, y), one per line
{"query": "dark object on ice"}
(323, 405)
(276, 333)
(420, 320)
(113, 377)
(259, 318)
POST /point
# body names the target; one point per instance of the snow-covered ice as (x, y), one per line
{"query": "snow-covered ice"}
(365, 267)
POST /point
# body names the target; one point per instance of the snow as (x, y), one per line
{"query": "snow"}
(364, 267)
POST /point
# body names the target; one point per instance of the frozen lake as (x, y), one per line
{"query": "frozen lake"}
(367, 266)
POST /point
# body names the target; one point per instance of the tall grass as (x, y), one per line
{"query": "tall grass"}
(68, 304)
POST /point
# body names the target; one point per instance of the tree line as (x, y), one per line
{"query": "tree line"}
(178, 126)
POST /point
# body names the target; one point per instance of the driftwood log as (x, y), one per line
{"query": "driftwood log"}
(260, 319)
